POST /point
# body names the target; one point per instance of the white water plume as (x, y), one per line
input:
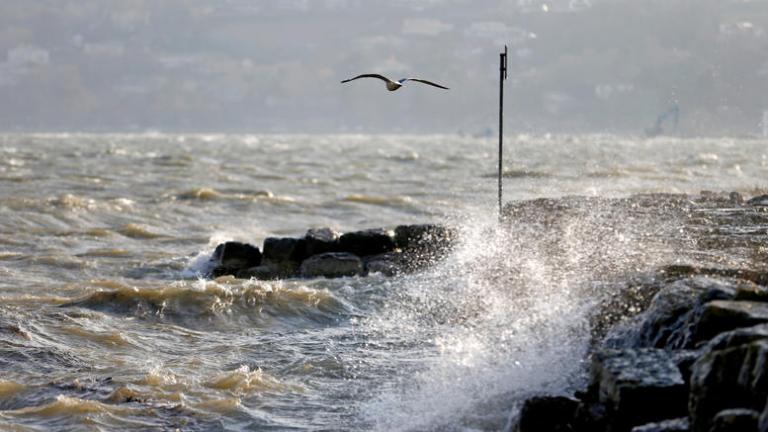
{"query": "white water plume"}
(507, 315)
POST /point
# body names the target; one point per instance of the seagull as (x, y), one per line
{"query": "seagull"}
(394, 85)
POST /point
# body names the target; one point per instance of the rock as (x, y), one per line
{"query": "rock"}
(735, 198)
(737, 337)
(672, 314)
(283, 249)
(735, 420)
(387, 264)
(684, 359)
(237, 255)
(321, 240)
(367, 243)
(761, 200)
(731, 374)
(678, 271)
(547, 414)
(423, 244)
(752, 292)
(427, 237)
(674, 425)
(233, 256)
(723, 315)
(762, 425)
(638, 386)
(332, 264)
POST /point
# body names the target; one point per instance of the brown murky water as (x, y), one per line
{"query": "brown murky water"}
(106, 325)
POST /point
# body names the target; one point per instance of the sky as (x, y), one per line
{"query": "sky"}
(259, 66)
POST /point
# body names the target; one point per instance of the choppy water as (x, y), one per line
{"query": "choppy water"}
(105, 325)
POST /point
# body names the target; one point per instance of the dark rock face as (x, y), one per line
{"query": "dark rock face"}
(424, 236)
(332, 264)
(733, 373)
(367, 243)
(237, 255)
(424, 243)
(638, 386)
(670, 319)
(387, 264)
(547, 414)
(723, 315)
(279, 250)
(321, 240)
(231, 257)
(674, 425)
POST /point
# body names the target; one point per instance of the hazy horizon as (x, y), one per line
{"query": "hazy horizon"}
(275, 67)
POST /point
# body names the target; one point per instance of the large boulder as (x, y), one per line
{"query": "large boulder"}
(368, 242)
(424, 236)
(732, 374)
(321, 240)
(637, 386)
(425, 243)
(281, 249)
(388, 264)
(230, 257)
(723, 315)
(672, 315)
(331, 265)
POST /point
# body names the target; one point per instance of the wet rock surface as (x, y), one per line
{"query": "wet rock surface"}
(232, 256)
(332, 264)
(324, 252)
(551, 413)
(684, 348)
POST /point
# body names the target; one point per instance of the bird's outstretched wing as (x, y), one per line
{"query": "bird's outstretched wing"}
(381, 77)
(424, 82)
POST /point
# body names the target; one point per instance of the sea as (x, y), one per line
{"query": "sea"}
(107, 321)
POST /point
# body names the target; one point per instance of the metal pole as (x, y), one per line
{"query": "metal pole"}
(502, 77)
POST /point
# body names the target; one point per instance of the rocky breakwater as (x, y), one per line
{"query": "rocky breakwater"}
(695, 359)
(324, 252)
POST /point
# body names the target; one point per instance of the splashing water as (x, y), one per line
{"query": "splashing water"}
(505, 316)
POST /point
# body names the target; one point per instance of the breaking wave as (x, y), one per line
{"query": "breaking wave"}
(225, 299)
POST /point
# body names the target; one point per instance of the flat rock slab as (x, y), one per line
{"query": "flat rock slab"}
(723, 315)
(674, 425)
(639, 386)
(332, 264)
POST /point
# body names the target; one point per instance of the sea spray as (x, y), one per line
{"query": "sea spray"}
(506, 315)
